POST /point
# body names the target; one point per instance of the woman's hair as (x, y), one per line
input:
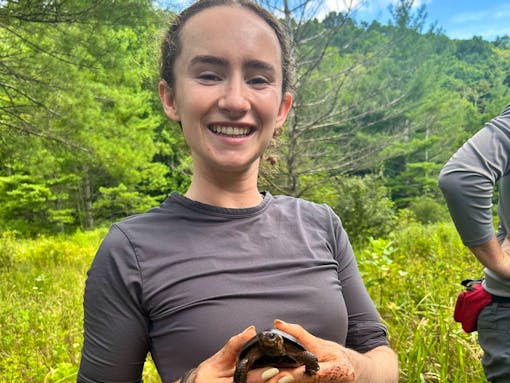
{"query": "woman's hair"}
(171, 46)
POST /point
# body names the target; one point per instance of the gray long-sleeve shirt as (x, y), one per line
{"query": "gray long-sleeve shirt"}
(181, 279)
(468, 180)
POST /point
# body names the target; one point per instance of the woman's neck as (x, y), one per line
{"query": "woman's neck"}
(234, 192)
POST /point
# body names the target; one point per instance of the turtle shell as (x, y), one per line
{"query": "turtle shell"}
(266, 349)
(282, 361)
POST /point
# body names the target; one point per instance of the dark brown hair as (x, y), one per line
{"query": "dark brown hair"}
(171, 46)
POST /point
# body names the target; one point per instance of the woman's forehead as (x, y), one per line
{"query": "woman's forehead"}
(229, 31)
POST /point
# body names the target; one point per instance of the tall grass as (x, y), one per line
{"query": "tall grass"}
(41, 290)
(413, 277)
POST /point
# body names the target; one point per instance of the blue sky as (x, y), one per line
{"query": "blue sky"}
(459, 19)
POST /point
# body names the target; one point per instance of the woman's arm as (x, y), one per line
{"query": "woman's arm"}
(468, 179)
(115, 325)
(377, 365)
(494, 256)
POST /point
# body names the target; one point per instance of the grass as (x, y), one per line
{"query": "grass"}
(413, 276)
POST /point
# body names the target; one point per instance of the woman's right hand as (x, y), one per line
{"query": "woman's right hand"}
(220, 367)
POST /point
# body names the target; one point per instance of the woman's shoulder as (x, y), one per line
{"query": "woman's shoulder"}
(316, 211)
(300, 202)
(142, 224)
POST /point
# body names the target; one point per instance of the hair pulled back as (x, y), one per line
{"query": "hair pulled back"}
(171, 46)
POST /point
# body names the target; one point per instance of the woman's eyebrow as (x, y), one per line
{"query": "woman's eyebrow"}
(220, 61)
(259, 65)
(208, 59)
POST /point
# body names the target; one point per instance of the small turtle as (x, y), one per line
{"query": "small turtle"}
(273, 348)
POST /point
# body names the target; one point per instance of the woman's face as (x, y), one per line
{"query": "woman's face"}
(228, 89)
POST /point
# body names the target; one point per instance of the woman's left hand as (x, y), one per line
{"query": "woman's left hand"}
(334, 361)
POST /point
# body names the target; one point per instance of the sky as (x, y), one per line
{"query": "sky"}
(459, 19)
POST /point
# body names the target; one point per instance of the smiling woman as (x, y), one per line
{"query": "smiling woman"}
(183, 280)
(229, 102)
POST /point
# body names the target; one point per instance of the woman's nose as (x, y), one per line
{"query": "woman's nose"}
(234, 99)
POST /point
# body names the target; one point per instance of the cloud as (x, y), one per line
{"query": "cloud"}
(488, 23)
(374, 9)
(328, 6)
(372, 6)
(489, 14)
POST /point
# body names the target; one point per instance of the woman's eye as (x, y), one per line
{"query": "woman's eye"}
(209, 77)
(258, 81)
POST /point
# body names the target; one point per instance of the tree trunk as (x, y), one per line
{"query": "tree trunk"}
(87, 199)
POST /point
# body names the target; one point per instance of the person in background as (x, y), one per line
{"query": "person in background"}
(468, 182)
(192, 280)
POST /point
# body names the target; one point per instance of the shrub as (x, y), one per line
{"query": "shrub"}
(365, 208)
(7, 249)
(428, 210)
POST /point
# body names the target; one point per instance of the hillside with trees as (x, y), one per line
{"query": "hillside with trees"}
(379, 109)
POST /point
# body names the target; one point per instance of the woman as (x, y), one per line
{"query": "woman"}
(183, 280)
(468, 181)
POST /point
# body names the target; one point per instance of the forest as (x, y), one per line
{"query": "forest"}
(379, 108)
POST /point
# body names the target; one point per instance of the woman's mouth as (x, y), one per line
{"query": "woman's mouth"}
(230, 131)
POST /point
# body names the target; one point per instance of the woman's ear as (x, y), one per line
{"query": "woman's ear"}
(284, 110)
(167, 97)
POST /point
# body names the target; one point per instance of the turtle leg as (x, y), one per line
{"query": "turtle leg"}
(244, 365)
(241, 372)
(310, 362)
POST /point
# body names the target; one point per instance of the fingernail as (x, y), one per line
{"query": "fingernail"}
(279, 321)
(269, 373)
(286, 379)
(249, 329)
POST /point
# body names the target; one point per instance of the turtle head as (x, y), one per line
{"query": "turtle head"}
(271, 343)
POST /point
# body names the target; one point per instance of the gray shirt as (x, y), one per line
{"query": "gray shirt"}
(181, 279)
(468, 181)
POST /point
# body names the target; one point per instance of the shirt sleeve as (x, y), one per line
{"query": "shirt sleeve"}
(468, 179)
(115, 325)
(365, 330)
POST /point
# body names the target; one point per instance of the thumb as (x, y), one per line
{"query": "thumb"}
(296, 331)
(228, 354)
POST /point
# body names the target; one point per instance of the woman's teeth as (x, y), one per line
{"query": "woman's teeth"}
(231, 131)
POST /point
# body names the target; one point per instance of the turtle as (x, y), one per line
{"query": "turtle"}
(274, 348)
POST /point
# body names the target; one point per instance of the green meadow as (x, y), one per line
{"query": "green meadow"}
(413, 276)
